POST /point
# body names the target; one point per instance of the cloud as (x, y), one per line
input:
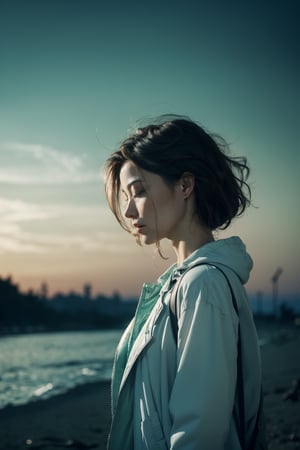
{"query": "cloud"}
(42, 228)
(19, 211)
(69, 162)
(16, 210)
(10, 244)
(15, 237)
(19, 241)
(28, 164)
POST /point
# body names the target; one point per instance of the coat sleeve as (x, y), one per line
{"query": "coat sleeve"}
(203, 392)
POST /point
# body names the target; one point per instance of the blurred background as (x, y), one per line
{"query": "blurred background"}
(76, 77)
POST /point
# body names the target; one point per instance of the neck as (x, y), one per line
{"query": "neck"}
(195, 239)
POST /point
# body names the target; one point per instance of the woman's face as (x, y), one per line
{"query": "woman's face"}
(154, 209)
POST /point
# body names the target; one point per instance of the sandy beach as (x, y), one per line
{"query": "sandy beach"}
(80, 418)
(281, 382)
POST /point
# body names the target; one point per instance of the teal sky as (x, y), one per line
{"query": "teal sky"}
(75, 76)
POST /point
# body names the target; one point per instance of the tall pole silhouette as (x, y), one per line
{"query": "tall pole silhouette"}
(274, 280)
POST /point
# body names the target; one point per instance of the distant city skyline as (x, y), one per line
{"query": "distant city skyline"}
(76, 76)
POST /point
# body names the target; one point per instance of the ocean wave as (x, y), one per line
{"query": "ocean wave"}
(40, 366)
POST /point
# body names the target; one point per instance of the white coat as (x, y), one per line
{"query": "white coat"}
(182, 395)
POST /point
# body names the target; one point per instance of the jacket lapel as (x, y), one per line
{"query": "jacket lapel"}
(145, 336)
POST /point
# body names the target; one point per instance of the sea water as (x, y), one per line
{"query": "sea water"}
(42, 365)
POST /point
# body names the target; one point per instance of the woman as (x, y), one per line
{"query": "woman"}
(177, 381)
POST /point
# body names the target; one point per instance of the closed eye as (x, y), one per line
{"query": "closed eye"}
(137, 189)
(140, 193)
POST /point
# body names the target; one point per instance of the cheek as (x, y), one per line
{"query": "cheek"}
(170, 211)
(146, 207)
(167, 203)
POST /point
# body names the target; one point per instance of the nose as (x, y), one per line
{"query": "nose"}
(131, 211)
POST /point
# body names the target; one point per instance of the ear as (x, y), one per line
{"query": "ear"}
(186, 184)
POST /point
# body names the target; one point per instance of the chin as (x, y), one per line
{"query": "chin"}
(147, 240)
(142, 239)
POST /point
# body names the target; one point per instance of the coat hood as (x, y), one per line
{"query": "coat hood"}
(230, 252)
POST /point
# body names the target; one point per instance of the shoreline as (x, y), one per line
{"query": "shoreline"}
(80, 418)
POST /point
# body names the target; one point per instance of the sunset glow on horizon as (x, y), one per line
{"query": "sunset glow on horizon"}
(76, 76)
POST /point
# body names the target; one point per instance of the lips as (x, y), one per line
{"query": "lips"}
(138, 226)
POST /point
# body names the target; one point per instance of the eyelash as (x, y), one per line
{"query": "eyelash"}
(139, 193)
(134, 195)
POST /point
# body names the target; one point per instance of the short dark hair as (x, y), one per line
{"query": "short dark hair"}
(180, 145)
